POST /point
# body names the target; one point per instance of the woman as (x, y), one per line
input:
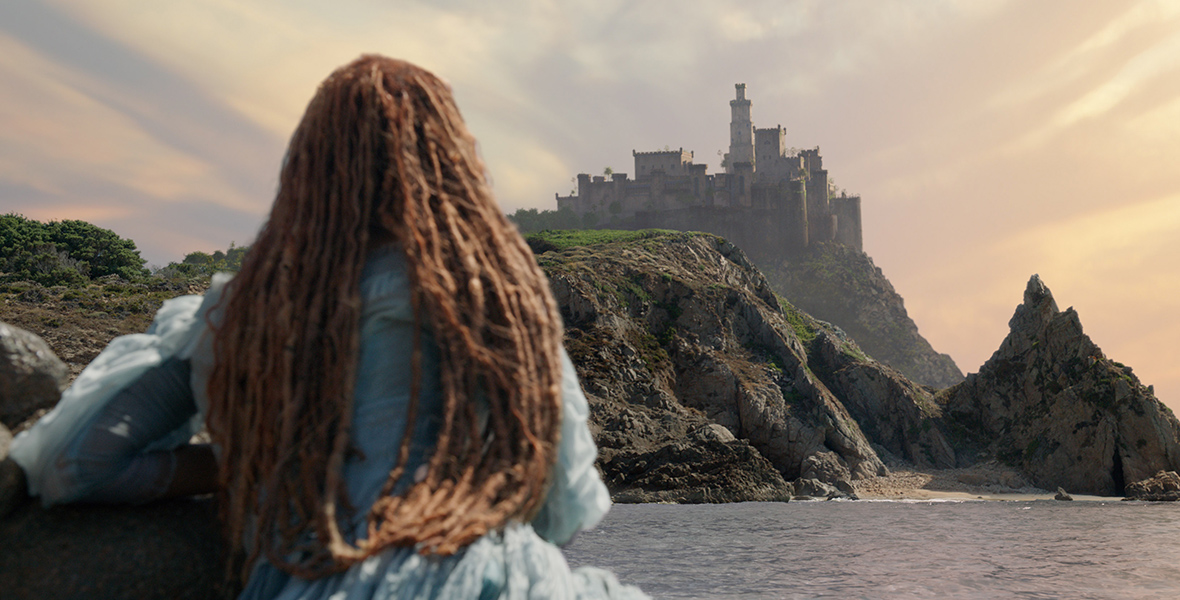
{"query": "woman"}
(391, 410)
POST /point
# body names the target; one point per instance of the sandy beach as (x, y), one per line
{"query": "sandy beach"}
(989, 481)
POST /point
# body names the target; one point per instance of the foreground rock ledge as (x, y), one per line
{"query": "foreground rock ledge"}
(166, 550)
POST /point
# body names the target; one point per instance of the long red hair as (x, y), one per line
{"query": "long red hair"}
(381, 154)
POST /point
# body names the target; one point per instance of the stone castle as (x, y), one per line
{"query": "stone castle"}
(768, 200)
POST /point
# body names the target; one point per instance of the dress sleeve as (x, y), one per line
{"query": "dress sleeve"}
(47, 452)
(577, 499)
(113, 462)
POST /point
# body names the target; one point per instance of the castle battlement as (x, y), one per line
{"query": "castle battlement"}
(767, 194)
(680, 153)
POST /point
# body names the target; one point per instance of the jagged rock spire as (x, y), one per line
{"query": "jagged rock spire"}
(1050, 402)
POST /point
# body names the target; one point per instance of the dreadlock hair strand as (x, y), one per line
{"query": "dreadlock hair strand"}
(381, 154)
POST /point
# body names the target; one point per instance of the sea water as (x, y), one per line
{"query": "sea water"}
(891, 549)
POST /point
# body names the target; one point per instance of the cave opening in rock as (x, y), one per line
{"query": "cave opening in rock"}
(1116, 473)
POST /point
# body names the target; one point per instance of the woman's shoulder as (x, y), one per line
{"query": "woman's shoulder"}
(385, 282)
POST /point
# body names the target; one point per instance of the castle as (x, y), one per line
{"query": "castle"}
(767, 201)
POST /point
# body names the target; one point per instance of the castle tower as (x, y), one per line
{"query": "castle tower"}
(741, 131)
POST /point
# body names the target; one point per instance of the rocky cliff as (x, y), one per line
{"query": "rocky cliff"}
(842, 285)
(678, 331)
(678, 338)
(677, 334)
(1052, 404)
(896, 414)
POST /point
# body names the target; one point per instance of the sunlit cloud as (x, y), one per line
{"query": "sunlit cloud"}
(741, 26)
(524, 174)
(1116, 266)
(1161, 58)
(55, 130)
(1120, 238)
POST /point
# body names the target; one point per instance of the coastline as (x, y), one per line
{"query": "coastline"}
(988, 481)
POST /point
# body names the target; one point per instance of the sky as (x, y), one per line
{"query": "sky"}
(989, 139)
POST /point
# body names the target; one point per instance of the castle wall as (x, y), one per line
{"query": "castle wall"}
(741, 184)
(796, 210)
(722, 184)
(597, 194)
(758, 232)
(846, 209)
(567, 203)
(817, 205)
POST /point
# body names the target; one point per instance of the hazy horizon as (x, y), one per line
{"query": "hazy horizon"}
(989, 139)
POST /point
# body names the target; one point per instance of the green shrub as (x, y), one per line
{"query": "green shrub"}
(202, 265)
(66, 253)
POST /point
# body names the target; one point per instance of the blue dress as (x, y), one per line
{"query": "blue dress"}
(520, 561)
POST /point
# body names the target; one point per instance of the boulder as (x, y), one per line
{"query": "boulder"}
(647, 457)
(1164, 486)
(1063, 495)
(846, 487)
(1050, 404)
(812, 488)
(31, 376)
(825, 466)
(720, 433)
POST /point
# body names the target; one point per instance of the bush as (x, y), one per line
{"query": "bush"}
(203, 265)
(64, 252)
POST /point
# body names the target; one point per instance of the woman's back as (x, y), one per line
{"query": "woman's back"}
(383, 379)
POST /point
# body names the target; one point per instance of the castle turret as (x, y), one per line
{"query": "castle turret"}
(771, 150)
(741, 132)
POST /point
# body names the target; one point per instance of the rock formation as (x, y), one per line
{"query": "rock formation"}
(1164, 486)
(31, 375)
(679, 331)
(1052, 404)
(840, 284)
(892, 411)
